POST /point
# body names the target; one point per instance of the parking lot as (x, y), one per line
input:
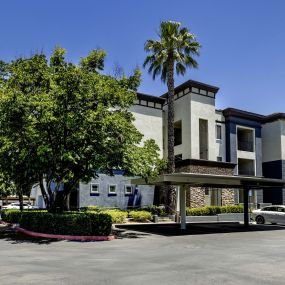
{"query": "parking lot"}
(203, 254)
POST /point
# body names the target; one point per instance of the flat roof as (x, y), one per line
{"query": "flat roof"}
(193, 83)
(212, 180)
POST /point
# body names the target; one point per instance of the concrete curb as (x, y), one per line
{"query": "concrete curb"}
(4, 223)
(65, 237)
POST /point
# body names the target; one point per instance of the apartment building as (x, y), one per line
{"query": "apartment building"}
(207, 140)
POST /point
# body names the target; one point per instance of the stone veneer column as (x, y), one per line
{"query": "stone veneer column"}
(228, 196)
(195, 196)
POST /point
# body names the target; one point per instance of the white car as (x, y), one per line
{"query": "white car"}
(274, 214)
(16, 205)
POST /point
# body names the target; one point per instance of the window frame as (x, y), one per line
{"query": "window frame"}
(112, 193)
(126, 192)
(94, 192)
(220, 128)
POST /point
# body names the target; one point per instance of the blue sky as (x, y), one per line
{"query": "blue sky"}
(243, 40)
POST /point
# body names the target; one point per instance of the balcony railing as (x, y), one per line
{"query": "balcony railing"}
(245, 146)
(246, 172)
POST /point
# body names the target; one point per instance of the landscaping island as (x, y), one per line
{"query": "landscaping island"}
(68, 225)
(92, 223)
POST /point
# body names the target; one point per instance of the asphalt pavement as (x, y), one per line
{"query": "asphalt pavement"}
(154, 254)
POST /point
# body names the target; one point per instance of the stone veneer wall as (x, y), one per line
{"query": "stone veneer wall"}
(195, 196)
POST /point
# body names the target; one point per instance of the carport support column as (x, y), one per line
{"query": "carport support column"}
(245, 207)
(183, 207)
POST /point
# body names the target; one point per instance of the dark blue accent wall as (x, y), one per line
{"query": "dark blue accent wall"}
(231, 123)
(272, 169)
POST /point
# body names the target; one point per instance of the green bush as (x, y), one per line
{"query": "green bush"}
(87, 223)
(214, 210)
(232, 209)
(140, 216)
(90, 208)
(156, 210)
(118, 216)
(11, 216)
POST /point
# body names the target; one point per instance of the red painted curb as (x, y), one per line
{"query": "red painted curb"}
(66, 237)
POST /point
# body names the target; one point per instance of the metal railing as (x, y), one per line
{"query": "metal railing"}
(245, 146)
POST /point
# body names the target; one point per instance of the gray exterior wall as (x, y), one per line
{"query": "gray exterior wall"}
(142, 195)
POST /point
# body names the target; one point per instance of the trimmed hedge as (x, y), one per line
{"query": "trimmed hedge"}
(11, 216)
(140, 216)
(214, 210)
(118, 216)
(156, 210)
(68, 223)
(90, 208)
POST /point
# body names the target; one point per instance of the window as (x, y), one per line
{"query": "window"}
(112, 189)
(203, 138)
(94, 188)
(128, 190)
(219, 158)
(218, 132)
(177, 133)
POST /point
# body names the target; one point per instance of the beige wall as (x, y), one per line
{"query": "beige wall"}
(149, 122)
(203, 107)
(221, 144)
(189, 109)
(181, 113)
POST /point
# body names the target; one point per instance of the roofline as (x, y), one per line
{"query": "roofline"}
(243, 114)
(212, 180)
(204, 162)
(155, 99)
(193, 83)
(253, 116)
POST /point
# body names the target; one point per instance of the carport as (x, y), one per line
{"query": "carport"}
(245, 183)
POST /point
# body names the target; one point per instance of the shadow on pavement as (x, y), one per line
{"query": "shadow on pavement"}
(121, 233)
(8, 234)
(172, 229)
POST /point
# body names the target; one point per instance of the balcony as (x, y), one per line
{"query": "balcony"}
(246, 167)
(245, 146)
(245, 139)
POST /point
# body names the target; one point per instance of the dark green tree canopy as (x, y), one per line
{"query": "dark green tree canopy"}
(64, 122)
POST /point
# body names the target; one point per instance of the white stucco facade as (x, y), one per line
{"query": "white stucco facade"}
(148, 121)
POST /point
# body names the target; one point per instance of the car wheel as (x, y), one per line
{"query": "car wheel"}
(259, 220)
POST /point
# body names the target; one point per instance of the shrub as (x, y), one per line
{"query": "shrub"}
(90, 208)
(156, 210)
(69, 223)
(214, 210)
(118, 216)
(140, 216)
(232, 209)
(11, 216)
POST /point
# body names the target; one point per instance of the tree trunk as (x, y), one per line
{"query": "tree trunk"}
(60, 201)
(44, 193)
(66, 201)
(21, 199)
(171, 159)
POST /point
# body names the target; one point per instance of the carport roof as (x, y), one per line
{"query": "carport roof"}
(212, 180)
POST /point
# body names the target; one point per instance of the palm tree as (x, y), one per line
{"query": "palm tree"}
(172, 52)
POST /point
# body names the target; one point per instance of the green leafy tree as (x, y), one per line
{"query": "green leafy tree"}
(173, 52)
(61, 123)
